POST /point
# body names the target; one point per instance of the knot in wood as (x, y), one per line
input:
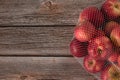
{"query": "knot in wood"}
(50, 7)
(48, 4)
(23, 77)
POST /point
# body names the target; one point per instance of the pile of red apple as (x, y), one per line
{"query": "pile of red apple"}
(97, 40)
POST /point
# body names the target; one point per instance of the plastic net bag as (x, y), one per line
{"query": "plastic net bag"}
(96, 41)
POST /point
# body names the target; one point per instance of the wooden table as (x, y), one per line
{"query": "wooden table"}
(35, 37)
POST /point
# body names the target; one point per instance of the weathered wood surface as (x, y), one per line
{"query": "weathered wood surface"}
(42, 41)
(34, 45)
(41, 12)
(41, 68)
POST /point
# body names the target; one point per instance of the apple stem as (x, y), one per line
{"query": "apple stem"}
(116, 6)
(99, 51)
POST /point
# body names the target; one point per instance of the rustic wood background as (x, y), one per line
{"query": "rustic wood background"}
(35, 37)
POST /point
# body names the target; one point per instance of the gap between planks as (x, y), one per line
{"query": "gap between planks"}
(2, 26)
(36, 56)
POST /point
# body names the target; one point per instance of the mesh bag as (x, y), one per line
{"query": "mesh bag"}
(96, 40)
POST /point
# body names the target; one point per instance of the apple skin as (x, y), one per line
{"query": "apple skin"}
(115, 36)
(93, 65)
(78, 49)
(100, 47)
(89, 14)
(118, 60)
(84, 32)
(113, 57)
(99, 33)
(110, 73)
(110, 26)
(111, 9)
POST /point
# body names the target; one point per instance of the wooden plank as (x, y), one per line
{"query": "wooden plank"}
(42, 41)
(42, 12)
(42, 68)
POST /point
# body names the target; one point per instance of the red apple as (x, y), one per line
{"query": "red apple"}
(78, 49)
(113, 57)
(110, 26)
(93, 15)
(111, 72)
(111, 9)
(118, 60)
(99, 33)
(115, 36)
(93, 65)
(85, 31)
(100, 47)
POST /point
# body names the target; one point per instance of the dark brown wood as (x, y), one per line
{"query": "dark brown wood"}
(42, 68)
(42, 12)
(42, 41)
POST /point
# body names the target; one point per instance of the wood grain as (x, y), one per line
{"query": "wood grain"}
(35, 37)
(41, 68)
(42, 41)
(40, 12)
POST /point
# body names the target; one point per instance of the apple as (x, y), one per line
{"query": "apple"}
(111, 72)
(99, 33)
(118, 60)
(110, 26)
(77, 48)
(93, 65)
(111, 9)
(115, 36)
(113, 57)
(85, 31)
(92, 14)
(100, 47)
